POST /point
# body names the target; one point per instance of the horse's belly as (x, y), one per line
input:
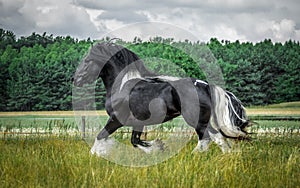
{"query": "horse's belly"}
(155, 102)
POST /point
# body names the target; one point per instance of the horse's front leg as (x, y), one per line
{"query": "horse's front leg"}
(111, 126)
(210, 134)
(102, 144)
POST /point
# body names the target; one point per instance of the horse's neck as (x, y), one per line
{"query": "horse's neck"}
(108, 82)
(115, 79)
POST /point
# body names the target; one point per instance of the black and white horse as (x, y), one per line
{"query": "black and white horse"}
(137, 97)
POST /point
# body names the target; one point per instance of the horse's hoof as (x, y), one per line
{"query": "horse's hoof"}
(144, 143)
(160, 144)
(102, 147)
(152, 146)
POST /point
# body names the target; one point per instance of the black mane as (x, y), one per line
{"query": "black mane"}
(118, 56)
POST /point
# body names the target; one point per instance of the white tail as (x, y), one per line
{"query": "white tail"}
(221, 118)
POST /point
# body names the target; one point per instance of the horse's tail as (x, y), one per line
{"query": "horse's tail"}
(221, 116)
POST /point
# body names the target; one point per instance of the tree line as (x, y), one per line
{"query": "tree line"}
(36, 71)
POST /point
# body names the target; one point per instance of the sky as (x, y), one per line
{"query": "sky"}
(232, 20)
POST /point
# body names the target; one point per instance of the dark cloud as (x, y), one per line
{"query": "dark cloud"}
(12, 18)
(124, 16)
(107, 5)
(66, 20)
(55, 17)
(216, 6)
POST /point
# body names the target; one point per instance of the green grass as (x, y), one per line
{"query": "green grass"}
(61, 159)
(66, 162)
(285, 105)
(295, 104)
(276, 127)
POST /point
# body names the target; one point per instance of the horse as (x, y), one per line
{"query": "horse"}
(137, 97)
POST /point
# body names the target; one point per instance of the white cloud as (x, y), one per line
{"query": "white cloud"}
(93, 14)
(278, 30)
(147, 30)
(46, 9)
(224, 19)
(57, 17)
(283, 29)
(228, 33)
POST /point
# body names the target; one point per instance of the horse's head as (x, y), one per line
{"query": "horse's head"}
(86, 73)
(91, 66)
(105, 59)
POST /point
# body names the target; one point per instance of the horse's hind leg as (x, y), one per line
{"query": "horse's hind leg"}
(202, 129)
(204, 141)
(221, 141)
(136, 137)
(146, 146)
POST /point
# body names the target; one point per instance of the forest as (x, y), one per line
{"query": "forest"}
(36, 71)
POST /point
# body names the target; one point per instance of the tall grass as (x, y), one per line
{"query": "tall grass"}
(66, 162)
(49, 158)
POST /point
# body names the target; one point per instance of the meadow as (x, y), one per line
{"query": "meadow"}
(46, 150)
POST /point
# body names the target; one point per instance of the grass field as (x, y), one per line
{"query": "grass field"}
(45, 149)
(66, 162)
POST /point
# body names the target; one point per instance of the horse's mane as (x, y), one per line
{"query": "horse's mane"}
(104, 52)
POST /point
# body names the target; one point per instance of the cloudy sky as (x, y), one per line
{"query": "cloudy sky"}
(242, 20)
